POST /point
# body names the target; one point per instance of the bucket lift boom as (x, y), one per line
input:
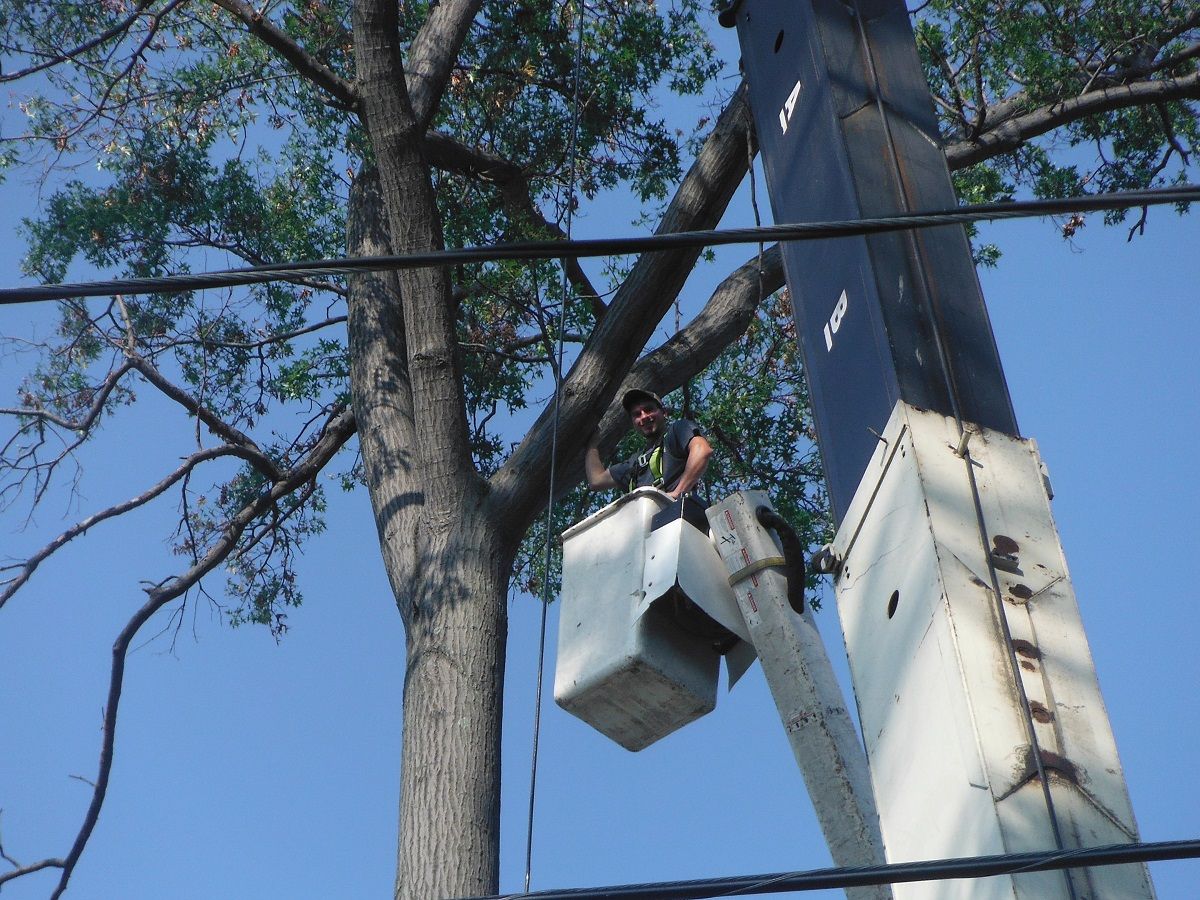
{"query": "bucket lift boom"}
(984, 726)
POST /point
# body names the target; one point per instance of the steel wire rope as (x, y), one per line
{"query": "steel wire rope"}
(572, 163)
(864, 876)
(560, 249)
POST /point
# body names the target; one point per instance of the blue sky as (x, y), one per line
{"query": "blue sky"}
(246, 768)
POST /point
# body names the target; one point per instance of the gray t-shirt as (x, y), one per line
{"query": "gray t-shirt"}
(635, 472)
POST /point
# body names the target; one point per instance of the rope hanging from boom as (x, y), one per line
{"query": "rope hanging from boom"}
(572, 155)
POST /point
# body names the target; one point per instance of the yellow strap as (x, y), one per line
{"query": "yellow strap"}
(656, 463)
(755, 567)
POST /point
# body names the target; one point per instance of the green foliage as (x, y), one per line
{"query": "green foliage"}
(512, 94)
(988, 64)
(186, 144)
(753, 406)
(183, 143)
(262, 573)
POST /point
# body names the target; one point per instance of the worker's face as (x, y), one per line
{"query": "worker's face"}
(650, 419)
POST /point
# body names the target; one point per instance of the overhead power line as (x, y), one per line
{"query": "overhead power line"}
(894, 873)
(604, 246)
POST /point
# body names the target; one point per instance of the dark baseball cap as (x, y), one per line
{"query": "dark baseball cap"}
(637, 395)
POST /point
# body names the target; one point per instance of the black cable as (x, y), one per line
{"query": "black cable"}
(808, 231)
(893, 873)
(793, 552)
(564, 296)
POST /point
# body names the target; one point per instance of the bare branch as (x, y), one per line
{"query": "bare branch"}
(222, 429)
(29, 566)
(54, 863)
(1009, 135)
(337, 432)
(302, 61)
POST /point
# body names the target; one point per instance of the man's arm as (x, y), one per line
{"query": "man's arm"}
(699, 451)
(598, 477)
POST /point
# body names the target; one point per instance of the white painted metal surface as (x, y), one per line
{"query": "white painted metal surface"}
(943, 693)
(680, 555)
(807, 695)
(625, 666)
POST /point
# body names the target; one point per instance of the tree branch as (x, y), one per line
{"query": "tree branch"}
(959, 106)
(1009, 135)
(337, 432)
(509, 350)
(29, 566)
(640, 303)
(264, 342)
(449, 155)
(69, 55)
(286, 46)
(101, 104)
(724, 318)
(222, 429)
(1190, 52)
(433, 53)
(434, 369)
(101, 397)
(54, 863)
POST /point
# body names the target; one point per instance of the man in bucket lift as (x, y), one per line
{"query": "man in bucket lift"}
(675, 458)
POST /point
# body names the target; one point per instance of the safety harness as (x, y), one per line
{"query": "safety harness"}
(650, 460)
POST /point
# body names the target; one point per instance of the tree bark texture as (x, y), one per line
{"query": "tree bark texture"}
(441, 444)
(450, 764)
(449, 571)
(446, 536)
(446, 559)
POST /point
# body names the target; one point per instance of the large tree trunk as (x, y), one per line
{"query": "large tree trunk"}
(450, 768)
(448, 537)
(448, 560)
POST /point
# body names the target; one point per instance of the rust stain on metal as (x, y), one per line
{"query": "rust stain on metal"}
(1005, 545)
(1028, 666)
(1025, 771)
(1060, 765)
(1026, 649)
(1039, 712)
